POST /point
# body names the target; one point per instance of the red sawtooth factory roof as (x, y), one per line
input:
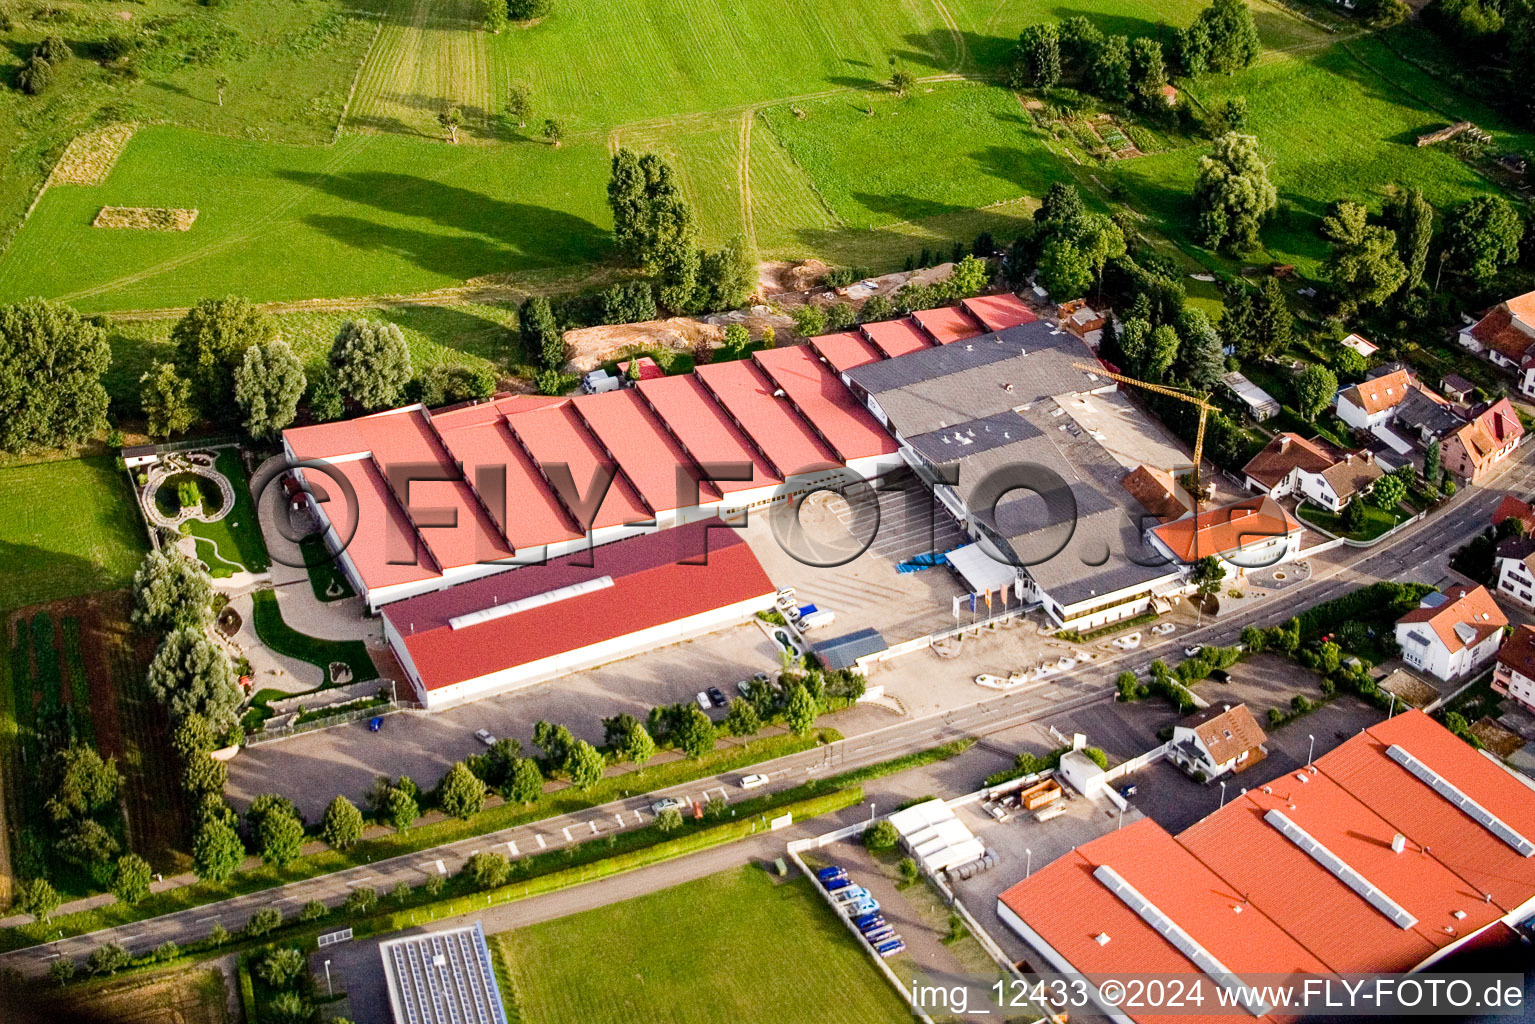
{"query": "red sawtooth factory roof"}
(381, 541)
(554, 436)
(947, 324)
(1258, 895)
(746, 393)
(999, 312)
(709, 435)
(845, 350)
(479, 437)
(656, 578)
(896, 337)
(650, 457)
(850, 429)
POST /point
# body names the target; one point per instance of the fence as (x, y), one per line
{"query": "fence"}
(193, 444)
(341, 718)
(817, 842)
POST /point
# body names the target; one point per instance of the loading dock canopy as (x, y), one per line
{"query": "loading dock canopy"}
(844, 651)
(981, 572)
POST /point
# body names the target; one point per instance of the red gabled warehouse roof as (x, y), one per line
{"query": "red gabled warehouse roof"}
(704, 429)
(821, 397)
(634, 584)
(646, 454)
(845, 350)
(999, 312)
(555, 436)
(896, 337)
(784, 437)
(947, 324)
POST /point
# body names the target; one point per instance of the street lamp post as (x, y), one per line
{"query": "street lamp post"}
(1028, 864)
(1392, 710)
(871, 810)
(328, 990)
(1311, 749)
(1223, 793)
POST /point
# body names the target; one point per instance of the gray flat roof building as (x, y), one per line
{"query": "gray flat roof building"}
(442, 978)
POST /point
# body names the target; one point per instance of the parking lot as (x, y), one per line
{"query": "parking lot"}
(1175, 801)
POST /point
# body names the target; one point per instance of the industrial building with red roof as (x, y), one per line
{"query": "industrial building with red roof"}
(575, 612)
(1390, 852)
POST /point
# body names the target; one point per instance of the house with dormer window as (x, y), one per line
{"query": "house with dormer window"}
(1453, 633)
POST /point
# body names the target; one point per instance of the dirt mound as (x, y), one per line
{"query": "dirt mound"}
(590, 347)
(799, 276)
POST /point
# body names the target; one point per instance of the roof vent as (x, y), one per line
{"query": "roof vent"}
(1302, 776)
(1459, 915)
(1008, 386)
(1102, 938)
(1398, 843)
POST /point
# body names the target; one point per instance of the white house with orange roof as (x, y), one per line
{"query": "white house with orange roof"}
(1251, 534)
(1453, 633)
(1505, 334)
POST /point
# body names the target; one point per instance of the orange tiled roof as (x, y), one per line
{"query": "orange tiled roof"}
(1494, 428)
(1468, 606)
(1224, 530)
(1157, 492)
(1512, 508)
(1227, 733)
(1286, 452)
(1382, 393)
(1499, 331)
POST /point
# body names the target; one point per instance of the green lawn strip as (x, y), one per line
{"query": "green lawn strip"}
(323, 574)
(604, 966)
(541, 873)
(393, 844)
(208, 554)
(627, 851)
(1377, 521)
(68, 527)
(284, 639)
(238, 534)
(79, 686)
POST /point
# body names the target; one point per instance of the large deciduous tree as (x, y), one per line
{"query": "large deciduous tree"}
(1233, 193)
(51, 362)
(1482, 237)
(371, 362)
(1037, 61)
(210, 341)
(82, 782)
(1363, 264)
(192, 675)
(268, 385)
(1315, 387)
(341, 826)
(170, 591)
(166, 397)
(1412, 218)
(217, 851)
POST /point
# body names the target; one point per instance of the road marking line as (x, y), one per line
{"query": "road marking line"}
(566, 830)
(620, 819)
(441, 868)
(593, 825)
(363, 881)
(511, 844)
(540, 839)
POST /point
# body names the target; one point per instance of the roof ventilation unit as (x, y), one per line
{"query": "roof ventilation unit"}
(1339, 869)
(1473, 810)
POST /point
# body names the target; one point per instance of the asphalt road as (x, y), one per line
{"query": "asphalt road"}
(1422, 542)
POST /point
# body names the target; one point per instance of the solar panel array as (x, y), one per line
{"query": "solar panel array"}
(1340, 870)
(1182, 941)
(1473, 810)
(442, 978)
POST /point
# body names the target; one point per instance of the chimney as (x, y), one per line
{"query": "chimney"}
(1398, 843)
(1284, 442)
(1348, 459)
(1369, 457)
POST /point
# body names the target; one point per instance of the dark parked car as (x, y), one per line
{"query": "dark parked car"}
(717, 696)
(1220, 675)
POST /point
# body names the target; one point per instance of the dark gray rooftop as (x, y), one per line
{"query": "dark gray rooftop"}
(1420, 412)
(844, 651)
(967, 440)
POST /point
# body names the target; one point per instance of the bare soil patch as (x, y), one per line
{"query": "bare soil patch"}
(90, 156)
(147, 218)
(590, 347)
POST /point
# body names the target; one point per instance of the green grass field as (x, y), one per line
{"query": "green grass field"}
(610, 965)
(237, 536)
(762, 108)
(284, 639)
(66, 528)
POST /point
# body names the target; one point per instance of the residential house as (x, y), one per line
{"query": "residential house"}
(1514, 675)
(1452, 634)
(1251, 534)
(1369, 404)
(1512, 508)
(1515, 566)
(1425, 417)
(1505, 335)
(1315, 470)
(1477, 449)
(1217, 740)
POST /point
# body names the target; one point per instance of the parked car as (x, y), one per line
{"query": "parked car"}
(835, 871)
(878, 935)
(744, 687)
(753, 781)
(869, 920)
(703, 700)
(485, 737)
(1192, 651)
(868, 905)
(833, 884)
(1220, 675)
(1127, 791)
(717, 696)
(852, 892)
(891, 948)
(375, 724)
(668, 803)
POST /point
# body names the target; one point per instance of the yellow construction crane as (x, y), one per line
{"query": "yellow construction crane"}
(1199, 401)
